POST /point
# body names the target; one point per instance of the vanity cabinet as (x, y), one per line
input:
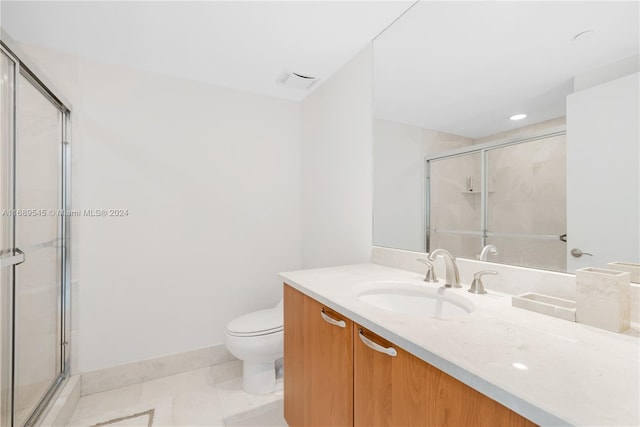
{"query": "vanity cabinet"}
(395, 388)
(338, 373)
(318, 363)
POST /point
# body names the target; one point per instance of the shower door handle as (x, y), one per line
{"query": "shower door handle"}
(15, 259)
(577, 253)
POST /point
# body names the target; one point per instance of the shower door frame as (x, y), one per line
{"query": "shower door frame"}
(9, 374)
(483, 150)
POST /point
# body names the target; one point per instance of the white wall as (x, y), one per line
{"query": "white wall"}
(210, 179)
(606, 73)
(398, 185)
(603, 180)
(336, 168)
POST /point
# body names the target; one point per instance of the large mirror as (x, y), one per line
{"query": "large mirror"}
(513, 127)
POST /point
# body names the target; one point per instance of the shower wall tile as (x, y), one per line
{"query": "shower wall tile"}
(529, 197)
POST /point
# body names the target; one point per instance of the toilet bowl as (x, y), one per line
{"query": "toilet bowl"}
(257, 339)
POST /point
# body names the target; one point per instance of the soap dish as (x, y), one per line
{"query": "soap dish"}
(545, 304)
(632, 268)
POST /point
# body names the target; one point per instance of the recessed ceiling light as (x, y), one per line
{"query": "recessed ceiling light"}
(517, 117)
(520, 366)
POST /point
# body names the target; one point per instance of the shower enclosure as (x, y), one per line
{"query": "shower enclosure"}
(34, 236)
(511, 195)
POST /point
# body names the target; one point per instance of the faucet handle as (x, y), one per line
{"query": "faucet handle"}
(477, 287)
(431, 273)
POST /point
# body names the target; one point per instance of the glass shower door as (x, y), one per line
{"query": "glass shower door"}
(526, 211)
(39, 233)
(454, 210)
(7, 74)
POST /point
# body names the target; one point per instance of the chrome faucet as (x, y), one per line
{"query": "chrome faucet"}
(431, 273)
(489, 249)
(477, 287)
(452, 277)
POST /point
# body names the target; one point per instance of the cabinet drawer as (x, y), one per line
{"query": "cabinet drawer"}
(394, 388)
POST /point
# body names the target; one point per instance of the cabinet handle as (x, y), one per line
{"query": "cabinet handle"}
(331, 320)
(377, 347)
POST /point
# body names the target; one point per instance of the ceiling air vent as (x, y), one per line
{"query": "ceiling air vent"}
(295, 80)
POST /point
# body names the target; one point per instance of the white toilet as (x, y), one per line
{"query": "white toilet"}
(257, 339)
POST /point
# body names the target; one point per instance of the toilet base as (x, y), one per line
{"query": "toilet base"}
(258, 377)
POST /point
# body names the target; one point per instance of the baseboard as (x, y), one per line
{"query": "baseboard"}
(145, 370)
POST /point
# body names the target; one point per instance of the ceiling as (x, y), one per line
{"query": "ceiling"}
(466, 67)
(236, 44)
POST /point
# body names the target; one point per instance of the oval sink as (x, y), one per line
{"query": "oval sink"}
(416, 300)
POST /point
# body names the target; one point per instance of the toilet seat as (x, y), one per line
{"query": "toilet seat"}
(262, 322)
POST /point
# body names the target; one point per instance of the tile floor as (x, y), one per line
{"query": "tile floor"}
(204, 397)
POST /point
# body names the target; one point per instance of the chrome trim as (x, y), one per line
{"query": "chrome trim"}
(430, 275)
(8, 241)
(472, 233)
(332, 321)
(427, 206)
(390, 351)
(15, 52)
(477, 287)
(66, 282)
(43, 404)
(496, 144)
(484, 195)
(452, 274)
(525, 236)
(577, 253)
(486, 250)
(495, 234)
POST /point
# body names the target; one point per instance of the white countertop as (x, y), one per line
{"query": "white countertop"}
(575, 374)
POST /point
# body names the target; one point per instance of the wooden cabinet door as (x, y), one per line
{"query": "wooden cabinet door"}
(402, 391)
(318, 364)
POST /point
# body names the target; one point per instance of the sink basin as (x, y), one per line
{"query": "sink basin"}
(416, 300)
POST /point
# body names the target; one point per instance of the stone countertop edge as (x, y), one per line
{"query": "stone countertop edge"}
(516, 403)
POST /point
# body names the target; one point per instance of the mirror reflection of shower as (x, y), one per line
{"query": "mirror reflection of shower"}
(488, 249)
(509, 195)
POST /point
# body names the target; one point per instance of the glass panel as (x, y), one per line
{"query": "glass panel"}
(6, 239)
(527, 197)
(38, 233)
(454, 204)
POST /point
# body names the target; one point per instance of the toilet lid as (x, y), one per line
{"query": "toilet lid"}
(260, 322)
